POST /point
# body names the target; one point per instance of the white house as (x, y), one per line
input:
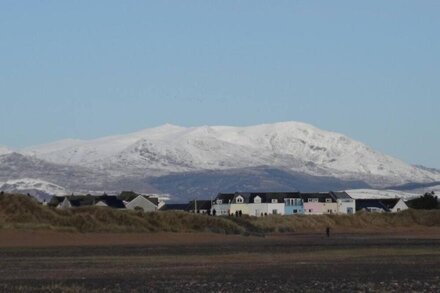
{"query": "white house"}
(222, 204)
(145, 204)
(395, 205)
(65, 204)
(345, 203)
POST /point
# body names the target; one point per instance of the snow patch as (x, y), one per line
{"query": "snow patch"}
(380, 194)
(294, 146)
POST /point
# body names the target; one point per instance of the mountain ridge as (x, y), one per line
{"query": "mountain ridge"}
(295, 146)
(285, 155)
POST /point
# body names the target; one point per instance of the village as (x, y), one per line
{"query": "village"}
(257, 204)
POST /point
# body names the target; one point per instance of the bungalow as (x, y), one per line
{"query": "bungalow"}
(371, 205)
(391, 205)
(319, 203)
(395, 205)
(65, 202)
(111, 202)
(143, 203)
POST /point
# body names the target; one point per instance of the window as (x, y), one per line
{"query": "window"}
(274, 200)
(295, 211)
(257, 199)
(239, 199)
(328, 200)
(349, 210)
(275, 212)
(329, 211)
(219, 201)
(312, 200)
(310, 211)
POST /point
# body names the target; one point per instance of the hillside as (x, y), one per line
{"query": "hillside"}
(292, 146)
(22, 212)
(188, 162)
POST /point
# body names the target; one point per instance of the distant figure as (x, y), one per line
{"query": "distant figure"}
(214, 212)
(240, 213)
(236, 213)
(327, 231)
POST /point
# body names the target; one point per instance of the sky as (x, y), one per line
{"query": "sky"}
(86, 69)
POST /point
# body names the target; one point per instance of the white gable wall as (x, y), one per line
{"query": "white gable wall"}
(400, 206)
(101, 204)
(65, 204)
(141, 202)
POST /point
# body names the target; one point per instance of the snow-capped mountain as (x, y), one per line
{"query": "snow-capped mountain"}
(4, 150)
(372, 193)
(291, 146)
(41, 189)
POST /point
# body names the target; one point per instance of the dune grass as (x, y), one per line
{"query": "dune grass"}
(22, 212)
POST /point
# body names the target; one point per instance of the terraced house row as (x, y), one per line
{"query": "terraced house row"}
(261, 204)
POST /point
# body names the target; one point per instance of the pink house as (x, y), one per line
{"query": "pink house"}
(312, 208)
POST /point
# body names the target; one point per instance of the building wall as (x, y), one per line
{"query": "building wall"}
(243, 207)
(344, 206)
(329, 207)
(143, 203)
(221, 209)
(278, 207)
(290, 210)
(65, 204)
(293, 208)
(257, 209)
(313, 208)
(101, 204)
(400, 206)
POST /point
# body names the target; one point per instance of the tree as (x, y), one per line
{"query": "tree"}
(428, 201)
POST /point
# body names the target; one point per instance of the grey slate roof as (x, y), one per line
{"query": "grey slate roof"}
(174, 207)
(201, 205)
(370, 203)
(340, 195)
(320, 196)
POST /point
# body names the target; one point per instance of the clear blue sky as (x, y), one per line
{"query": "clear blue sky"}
(84, 69)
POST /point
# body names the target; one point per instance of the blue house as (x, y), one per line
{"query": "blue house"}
(293, 204)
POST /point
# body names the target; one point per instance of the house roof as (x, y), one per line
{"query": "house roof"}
(201, 205)
(390, 202)
(112, 201)
(340, 195)
(370, 203)
(322, 197)
(153, 200)
(225, 197)
(174, 207)
(266, 197)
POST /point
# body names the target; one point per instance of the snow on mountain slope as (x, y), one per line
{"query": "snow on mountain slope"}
(4, 150)
(375, 194)
(292, 146)
(27, 184)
